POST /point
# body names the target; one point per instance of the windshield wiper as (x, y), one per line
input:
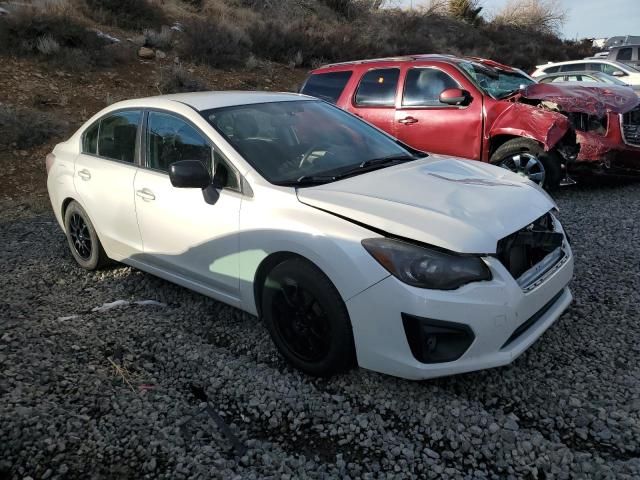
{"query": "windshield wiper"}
(366, 166)
(385, 160)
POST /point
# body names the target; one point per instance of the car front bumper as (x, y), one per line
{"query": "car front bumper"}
(493, 310)
(611, 154)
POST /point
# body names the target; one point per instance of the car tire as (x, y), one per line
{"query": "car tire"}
(83, 239)
(550, 161)
(307, 319)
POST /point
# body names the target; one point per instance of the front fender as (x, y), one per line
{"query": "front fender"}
(522, 120)
(331, 243)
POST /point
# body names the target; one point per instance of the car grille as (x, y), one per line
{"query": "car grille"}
(530, 253)
(631, 127)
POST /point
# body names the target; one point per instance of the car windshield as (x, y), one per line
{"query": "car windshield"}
(609, 79)
(304, 142)
(627, 67)
(495, 82)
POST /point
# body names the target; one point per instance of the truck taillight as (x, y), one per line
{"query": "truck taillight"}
(49, 161)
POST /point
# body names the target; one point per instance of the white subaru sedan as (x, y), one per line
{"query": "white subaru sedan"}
(352, 247)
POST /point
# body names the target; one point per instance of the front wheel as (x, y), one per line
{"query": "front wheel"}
(307, 319)
(527, 158)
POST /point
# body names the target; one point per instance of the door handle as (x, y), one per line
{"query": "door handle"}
(408, 120)
(84, 174)
(145, 194)
(357, 115)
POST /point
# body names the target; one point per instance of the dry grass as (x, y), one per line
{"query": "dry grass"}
(123, 373)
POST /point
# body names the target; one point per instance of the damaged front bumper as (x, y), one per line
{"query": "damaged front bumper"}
(615, 153)
(480, 325)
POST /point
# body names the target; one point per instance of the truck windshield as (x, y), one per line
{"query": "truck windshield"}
(495, 82)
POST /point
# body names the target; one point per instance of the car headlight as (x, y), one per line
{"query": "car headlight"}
(426, 268)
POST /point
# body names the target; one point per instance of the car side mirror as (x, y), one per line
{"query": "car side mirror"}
(455, 96)
(189, 174)
(619, 73)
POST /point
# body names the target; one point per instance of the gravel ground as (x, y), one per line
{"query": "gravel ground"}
(117, 393)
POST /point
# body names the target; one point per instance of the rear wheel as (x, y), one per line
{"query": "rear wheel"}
(83, 240)
(527, 158)
(307, 319)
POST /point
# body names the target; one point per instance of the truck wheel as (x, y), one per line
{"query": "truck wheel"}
(307, 319)
(527, 158)
(83, 239)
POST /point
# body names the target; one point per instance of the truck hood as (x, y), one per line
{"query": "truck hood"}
(592, 100)
(464, 206)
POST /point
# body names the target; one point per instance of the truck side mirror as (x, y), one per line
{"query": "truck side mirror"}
(455, 96)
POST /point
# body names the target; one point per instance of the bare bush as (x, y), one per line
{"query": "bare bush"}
(177, 79)
(546, 16)
(29, 30)
(132, 14)
(46, 7)
(434, 7)
(465, 10)
(214, 43)
(60, 40)
(162, 38)
(26, 127)
(47, 45)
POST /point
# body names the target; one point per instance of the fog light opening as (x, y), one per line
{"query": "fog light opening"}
(436, 341)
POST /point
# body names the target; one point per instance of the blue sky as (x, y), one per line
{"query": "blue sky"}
(587, 18)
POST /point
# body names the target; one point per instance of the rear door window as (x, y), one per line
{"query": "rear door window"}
(326, 86)
(624, 54)
(572, 67)
(378, 88)
(117, 136)
(423, 87)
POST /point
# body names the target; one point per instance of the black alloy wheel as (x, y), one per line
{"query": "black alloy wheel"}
(307, 318)
(83, 239)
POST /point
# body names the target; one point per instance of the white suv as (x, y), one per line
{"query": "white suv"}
(628, 74)
(350, 245)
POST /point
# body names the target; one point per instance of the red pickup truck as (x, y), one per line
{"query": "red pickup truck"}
(479, 109)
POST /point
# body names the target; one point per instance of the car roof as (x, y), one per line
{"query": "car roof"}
(576, 72)
(582, 60)
(435, 57)
(630, 45)
(207, 100)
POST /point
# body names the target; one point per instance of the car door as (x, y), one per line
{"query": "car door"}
(183, 233)
(104, 176)
(374, 99)
(425, 123)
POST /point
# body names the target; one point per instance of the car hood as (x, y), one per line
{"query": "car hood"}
(464, 206)
(592, 100)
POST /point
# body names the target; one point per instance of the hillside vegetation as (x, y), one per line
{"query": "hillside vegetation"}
(165, 46)
(299, 33)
